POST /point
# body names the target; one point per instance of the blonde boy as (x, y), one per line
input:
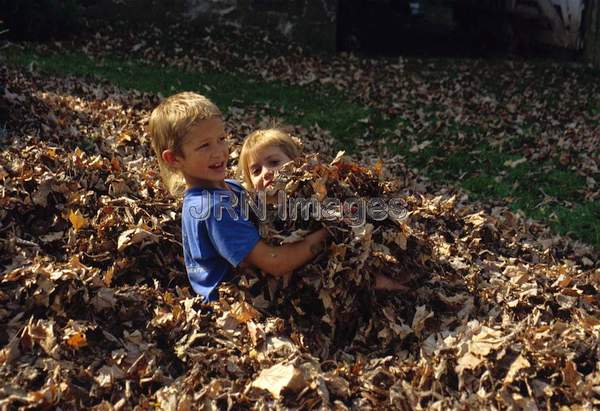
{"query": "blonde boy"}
(188, 137)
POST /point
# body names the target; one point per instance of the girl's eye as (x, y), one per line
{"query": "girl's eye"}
(274, 162)
(255, 171)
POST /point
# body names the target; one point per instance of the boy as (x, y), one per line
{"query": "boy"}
(264, 152)
(188, 137)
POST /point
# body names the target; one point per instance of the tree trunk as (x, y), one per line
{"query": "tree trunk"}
(591, 33)
(558, 28)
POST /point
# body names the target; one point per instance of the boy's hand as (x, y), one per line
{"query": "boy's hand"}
(280, 260)
(318, 241)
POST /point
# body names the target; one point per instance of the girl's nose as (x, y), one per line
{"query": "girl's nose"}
(267, 177)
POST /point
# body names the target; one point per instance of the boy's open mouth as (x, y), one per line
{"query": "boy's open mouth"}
(217, 166)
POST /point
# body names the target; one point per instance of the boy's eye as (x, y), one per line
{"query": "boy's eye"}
(274, 162)
(223, 138)
(204, 145)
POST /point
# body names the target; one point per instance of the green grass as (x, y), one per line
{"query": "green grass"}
(545, 191)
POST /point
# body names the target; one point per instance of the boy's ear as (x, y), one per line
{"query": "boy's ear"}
(170, 158)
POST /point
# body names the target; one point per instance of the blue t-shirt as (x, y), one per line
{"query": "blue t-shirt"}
(216, 236)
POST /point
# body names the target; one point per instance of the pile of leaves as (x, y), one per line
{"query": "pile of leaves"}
(96, 311)
(334, 292)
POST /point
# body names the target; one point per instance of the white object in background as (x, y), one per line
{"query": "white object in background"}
(572, 16)
(566, 25)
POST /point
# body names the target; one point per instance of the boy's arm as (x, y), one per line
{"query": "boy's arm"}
(280, 260)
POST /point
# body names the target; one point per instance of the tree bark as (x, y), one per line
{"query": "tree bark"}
(558, 28)
(591, 33)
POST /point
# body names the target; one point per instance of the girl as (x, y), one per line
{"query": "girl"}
(263, 153)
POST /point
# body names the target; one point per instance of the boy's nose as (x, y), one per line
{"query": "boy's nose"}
(220, 151)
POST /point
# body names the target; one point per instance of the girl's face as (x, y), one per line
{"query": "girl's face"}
(264, 165)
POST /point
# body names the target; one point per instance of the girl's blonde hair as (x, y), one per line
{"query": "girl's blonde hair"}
(260, 139)
(169, 124)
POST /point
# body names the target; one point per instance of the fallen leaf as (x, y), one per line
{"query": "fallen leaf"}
(280, 377)
(77, 220)
(77, 340)
(518, 364)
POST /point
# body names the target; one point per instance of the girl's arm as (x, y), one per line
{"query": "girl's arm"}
(280, 260)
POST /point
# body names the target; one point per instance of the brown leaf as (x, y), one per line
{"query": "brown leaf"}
(280, 377)
(77, 220)
(77, 340)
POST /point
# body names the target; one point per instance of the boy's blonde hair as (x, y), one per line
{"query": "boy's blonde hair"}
(169, 124)
(260, 139)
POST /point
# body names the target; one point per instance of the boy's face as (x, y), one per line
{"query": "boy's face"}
(264, 164)
(205, 153)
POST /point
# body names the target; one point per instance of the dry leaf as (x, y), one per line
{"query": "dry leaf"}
(77, 220)
(77, 340)
(418, 322)
(135, 236)
(518, 364)
(244, 312)
(278, 378)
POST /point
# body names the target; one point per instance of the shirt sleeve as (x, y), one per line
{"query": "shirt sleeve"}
(232, 235)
